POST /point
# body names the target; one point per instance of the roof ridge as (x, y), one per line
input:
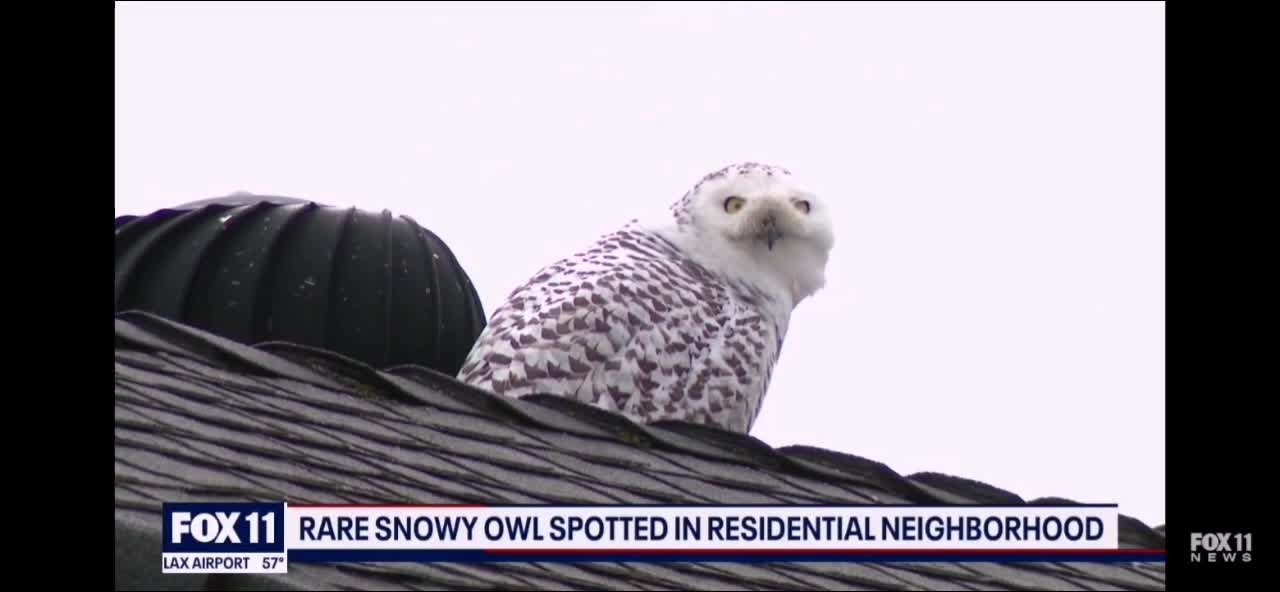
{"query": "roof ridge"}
(339, 368)
(967, 488)
(864, 468)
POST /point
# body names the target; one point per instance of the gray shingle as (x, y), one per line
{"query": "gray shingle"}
(1118, 576)
(608, 452)
(1091, 584)
(660, 577)
(1010, 576)
(830, 493)
(413, 577)
(680, 577)
(136, 461)
(965, 489)
(580, 576)
(914, 579)
(855, 573)
(763, 576)
(136, 340)
(815, 581)
(942, 570)
(557, 489)
(637, 483)
(710, 492)
(346, 577)
(733, 475)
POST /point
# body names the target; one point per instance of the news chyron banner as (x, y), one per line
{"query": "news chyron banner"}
(265, 537)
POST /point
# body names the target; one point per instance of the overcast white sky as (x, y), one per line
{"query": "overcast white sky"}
(995, 305)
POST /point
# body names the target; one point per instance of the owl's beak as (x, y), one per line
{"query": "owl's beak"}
(769, 230)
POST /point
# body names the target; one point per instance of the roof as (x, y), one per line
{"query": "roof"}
(200, 417)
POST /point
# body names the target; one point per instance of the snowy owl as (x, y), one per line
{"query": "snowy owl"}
(682, 318)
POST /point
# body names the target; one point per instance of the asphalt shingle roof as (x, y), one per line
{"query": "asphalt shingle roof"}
(203, 418)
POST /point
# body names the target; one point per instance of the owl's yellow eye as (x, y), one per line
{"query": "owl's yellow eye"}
(734, 203)
(802, 205)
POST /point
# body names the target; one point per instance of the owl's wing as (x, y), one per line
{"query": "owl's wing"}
(629, 326)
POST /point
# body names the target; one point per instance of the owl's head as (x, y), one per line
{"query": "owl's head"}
(758, 222)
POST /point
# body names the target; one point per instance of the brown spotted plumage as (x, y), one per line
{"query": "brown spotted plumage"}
(679, 320)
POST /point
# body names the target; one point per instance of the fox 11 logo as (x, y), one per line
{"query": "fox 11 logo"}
(1221, 547)
(224, 538)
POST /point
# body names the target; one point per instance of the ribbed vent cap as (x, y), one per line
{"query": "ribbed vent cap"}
(376, 287)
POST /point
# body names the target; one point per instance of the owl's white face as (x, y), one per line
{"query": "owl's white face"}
(758, 222)
(764, 213)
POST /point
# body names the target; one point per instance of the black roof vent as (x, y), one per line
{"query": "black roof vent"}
(378, 288)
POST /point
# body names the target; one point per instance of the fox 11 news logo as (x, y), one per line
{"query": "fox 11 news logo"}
(1221, 547)
(224, 538)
